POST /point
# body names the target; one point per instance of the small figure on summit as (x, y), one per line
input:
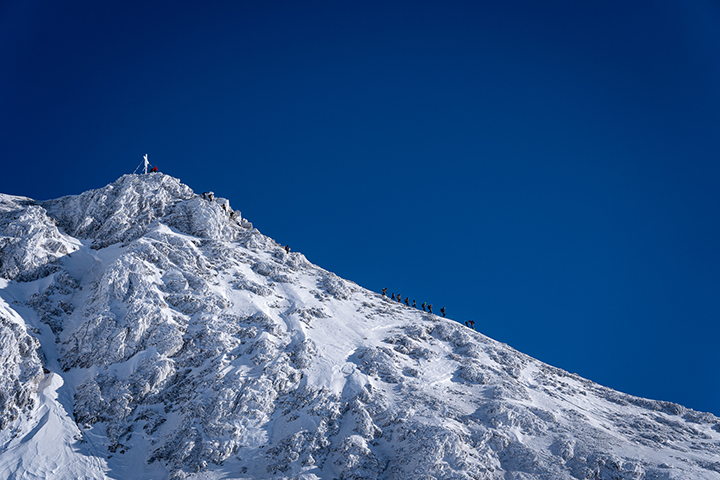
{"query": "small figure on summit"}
(147, 164)
(423, 306)
(224, 208)
(430, 308)
(287, 248)
(414, 304)
(154, 169)
(384, 294)
(407, 301)
(393, 296)
(442, 310)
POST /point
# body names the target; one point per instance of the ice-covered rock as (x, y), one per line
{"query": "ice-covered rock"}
(20, 367)
(30, 242)
(192, 346)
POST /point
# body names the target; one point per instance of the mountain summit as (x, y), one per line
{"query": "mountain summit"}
(147, 332)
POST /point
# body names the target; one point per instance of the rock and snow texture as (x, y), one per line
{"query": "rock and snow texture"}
(30, 242)
(145, 334)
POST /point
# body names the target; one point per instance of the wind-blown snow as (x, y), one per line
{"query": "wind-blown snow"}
(179, 342)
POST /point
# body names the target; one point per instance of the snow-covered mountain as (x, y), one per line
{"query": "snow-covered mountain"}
(145, 333)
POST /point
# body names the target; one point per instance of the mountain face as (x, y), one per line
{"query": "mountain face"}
(145, 333)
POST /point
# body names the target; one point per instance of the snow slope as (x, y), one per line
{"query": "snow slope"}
(146, 334)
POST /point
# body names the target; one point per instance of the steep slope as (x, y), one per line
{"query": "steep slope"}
(179, 342)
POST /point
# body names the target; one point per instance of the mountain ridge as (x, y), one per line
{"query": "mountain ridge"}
(179, 342)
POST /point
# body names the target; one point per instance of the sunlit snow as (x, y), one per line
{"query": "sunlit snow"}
(147, 334)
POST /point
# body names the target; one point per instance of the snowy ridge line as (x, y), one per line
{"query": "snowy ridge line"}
(146, 334)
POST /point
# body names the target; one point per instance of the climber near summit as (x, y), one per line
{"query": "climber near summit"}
(146, 164)
(442, 310)
(384, 293)
(287, 248)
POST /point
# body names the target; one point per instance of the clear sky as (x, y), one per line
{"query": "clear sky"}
(547, 169)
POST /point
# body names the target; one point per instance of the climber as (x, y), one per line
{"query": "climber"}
(442, 310)
(204, 195)
(393, 296)
(472, 324)
(423, 306)
(232, 215)
(210, 195)
(407, 301)
(384, 294)
(414, 304)
(287, 248)
(154, 170)
(430, 308)
(399, 298)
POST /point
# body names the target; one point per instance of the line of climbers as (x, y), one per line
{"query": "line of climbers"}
(426, 307)
(209, 196)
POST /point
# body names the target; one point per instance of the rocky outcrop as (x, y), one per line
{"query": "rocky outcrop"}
(198, 347)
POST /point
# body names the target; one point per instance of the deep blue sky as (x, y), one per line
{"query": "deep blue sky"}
(548, 169)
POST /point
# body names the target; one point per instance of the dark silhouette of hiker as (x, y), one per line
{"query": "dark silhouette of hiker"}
(287, 248)
(399, 298)
(472, 324)
(430, 308)
(232, 215)
(393, 296)
(407, 301)
(154, 170)
(423, 305)
(204, 195)
(414, 304)
(210, 195)
(384, 292)
(442, 310)
(224, 208)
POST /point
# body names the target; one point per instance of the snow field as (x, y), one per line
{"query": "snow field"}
(192, 346)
